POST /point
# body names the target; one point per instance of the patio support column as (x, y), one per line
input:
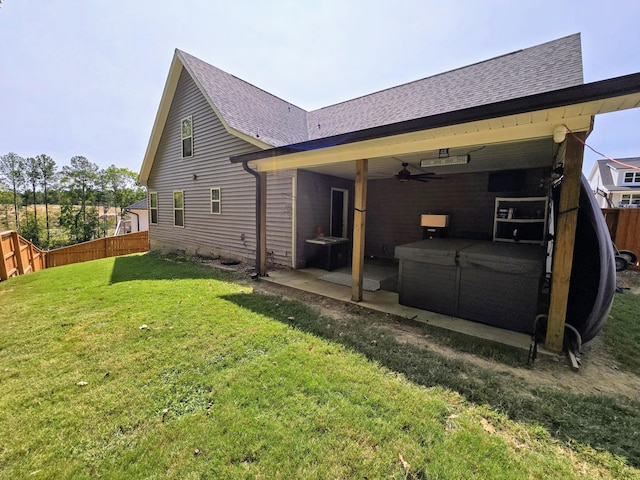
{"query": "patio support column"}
(359, 224)
(564, 240)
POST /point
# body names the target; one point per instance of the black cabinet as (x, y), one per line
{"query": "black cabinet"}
(327, 253)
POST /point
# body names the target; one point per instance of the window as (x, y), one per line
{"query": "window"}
(187, 137)
(630, 199)
(178, 208)
(153, 207)
(632, 177)
(215, 200)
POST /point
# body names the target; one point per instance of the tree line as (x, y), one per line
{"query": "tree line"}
(77, 198)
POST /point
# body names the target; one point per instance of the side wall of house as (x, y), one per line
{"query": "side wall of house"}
(232, 232)
(394, 209)
(313, 207)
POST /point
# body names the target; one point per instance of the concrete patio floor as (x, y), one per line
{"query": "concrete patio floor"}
(387, 302)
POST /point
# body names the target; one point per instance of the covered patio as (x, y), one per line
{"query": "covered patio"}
(384, 301)
(542, 131)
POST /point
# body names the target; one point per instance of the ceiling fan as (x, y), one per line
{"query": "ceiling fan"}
(405, 175)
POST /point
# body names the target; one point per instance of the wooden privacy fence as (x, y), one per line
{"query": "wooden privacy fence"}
(100, 248)
(624, 227)
(19, 256)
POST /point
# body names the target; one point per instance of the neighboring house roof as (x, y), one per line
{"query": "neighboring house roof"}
(606, 179)
(268, 121)
(139, 205)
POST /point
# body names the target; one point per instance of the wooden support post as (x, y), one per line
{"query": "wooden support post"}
(359, 224)
(17, 251)
(564, 240)
(263, 225)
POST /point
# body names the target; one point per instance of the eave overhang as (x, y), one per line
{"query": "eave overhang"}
(523, 118)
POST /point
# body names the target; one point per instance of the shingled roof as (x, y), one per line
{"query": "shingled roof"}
(268, 121)
(546, 67)
(258, 114)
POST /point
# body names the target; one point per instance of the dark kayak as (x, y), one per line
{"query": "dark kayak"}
(593, 277)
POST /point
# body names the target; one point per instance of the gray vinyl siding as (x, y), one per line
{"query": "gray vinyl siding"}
(313, 204)
(232, 232)
(394, 209)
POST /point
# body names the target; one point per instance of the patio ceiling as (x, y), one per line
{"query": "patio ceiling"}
(498, 156)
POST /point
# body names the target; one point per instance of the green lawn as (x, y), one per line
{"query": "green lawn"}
(622, 331)
(225, 383)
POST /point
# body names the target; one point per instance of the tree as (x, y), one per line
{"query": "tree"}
(5, 200)
(32, 175)
(122, 185)
(47, 178)
(11, 171)
(80, 179)
(81, 226)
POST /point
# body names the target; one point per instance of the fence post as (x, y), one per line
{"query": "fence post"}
(3, 264)
(32, 259)
(16, 251)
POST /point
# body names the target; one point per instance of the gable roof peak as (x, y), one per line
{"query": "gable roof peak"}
(246, 109)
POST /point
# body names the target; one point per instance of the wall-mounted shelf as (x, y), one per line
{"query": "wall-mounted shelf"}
(521, 220)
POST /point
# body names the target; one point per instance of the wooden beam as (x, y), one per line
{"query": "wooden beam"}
(263, 225)
(564, 240)
(359, 224)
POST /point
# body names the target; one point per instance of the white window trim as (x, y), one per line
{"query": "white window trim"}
(183, 138)
(635, 177)
(219, 201)
(152, 208)
(175, 209)
(632, 199)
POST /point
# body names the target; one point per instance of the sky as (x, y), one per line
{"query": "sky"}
(85, 77)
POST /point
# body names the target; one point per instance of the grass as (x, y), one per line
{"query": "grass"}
(225, 383)
(622, 331)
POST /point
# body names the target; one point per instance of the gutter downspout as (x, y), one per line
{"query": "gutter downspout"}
(137, 219)
(258, 217)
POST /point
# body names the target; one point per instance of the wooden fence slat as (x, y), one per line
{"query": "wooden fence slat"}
(101, 248)
(624, 227)
(19, 256)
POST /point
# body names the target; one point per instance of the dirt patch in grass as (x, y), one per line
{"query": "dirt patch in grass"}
(599, 372)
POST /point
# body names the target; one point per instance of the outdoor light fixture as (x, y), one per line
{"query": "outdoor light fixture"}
(444, 161)
(559, 133)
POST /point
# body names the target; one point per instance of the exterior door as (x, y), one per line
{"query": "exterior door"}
(339, 212)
